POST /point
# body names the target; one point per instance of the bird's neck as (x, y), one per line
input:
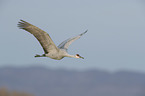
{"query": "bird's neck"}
(71, 56)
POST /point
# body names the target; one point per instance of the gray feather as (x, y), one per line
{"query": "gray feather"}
(43, 37)
(65, 44)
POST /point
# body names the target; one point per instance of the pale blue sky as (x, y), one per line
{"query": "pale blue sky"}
(115, 40)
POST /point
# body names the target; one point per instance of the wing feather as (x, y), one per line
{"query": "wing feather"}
(43, 37)
(65, 44)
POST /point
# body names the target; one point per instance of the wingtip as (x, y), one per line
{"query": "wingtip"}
(84, 32)
(22, 20)
(22, 24)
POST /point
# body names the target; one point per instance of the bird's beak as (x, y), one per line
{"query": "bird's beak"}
(82, 57)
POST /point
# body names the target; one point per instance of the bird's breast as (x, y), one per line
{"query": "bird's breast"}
(56, 56)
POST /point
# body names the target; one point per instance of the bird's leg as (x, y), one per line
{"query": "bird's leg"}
(40, 55)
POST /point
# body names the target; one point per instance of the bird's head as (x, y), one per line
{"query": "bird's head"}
(78, 56)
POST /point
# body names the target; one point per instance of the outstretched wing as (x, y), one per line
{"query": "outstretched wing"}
(43, 37)
(65, 44)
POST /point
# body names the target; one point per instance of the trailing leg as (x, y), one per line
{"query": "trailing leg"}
(40, 55)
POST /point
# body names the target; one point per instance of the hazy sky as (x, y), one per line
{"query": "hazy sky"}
(115, 38)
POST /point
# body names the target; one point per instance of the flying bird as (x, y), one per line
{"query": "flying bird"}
(50, 49)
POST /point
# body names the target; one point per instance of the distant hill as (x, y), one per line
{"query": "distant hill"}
(46, 82)
(5, 92)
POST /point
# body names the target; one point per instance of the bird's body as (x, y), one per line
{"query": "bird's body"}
(50, 49)
(55, 55)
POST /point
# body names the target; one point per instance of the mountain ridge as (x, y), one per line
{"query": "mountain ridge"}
(48, 82)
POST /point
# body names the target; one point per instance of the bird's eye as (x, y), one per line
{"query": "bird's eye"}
(77, 55)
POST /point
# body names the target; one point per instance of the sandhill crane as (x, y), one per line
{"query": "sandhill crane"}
(50, 49)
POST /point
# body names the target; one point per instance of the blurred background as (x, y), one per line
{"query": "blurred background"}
(113, 48)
